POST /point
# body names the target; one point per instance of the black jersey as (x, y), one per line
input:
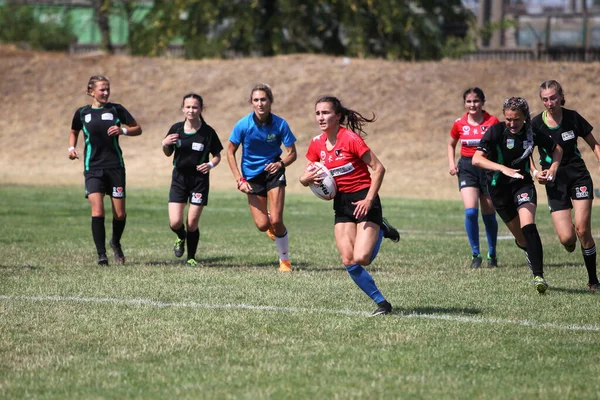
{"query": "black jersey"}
(193, 148)
(572, 126)
(502, 147)
(101, 151)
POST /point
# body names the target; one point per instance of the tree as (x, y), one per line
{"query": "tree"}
(101, 13)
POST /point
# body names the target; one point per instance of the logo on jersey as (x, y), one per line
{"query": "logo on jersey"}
(510, 144)
(107, 117)
(570, 135)
(323, 155)
(483, 128)
(197, 146)
(196, 198)
(463, 183)
(466, 129)
(118, 192)
(343, 170)
(271, 137)
(582, 192)
(523, 198)
(339, 155)
(87, 118)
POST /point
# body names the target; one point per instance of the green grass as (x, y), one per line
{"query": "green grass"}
(236, 328)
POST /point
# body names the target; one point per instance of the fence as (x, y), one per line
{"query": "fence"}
(562, 53)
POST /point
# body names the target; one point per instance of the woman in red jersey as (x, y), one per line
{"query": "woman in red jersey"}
(469, 129)
(359, 225)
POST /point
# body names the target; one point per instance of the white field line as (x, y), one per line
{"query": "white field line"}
(192, 305)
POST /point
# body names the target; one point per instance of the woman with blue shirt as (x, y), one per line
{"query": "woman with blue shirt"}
(262, 177)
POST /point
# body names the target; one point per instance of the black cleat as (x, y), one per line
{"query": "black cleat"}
(102, 259)
(179, 247)
(492, 261)
(476, 261)
(389, 232)
(119, 256)
(383, 308)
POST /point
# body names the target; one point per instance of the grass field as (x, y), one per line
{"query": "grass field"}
(236, 328)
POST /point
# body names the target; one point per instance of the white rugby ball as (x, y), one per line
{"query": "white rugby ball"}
(327, 189)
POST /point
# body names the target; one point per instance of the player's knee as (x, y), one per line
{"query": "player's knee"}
(362, 259)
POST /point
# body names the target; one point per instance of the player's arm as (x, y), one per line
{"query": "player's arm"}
(452, 170)
(73, 136)
(241, 183)
(377, 173)
(480, 160)
(286, 160)
(593, 143)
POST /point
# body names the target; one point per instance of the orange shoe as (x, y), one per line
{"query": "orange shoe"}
(285, 266)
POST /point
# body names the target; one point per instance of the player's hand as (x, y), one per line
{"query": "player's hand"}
(544, 177)
(362, 208)
(73, 154)
(170, 140)
(273, 167)
(114, 130)
(512, 173)
(204, 168)
(453, 171)
(311, 175)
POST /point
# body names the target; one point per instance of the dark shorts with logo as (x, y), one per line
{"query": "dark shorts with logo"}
(190, 187)
(344, 209)
(570, 183)
(471, 176)
(110, 181)
(508, 198)
(264, 182)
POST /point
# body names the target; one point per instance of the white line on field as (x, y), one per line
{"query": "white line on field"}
(154, 303)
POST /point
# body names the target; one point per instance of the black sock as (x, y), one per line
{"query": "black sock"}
(535, 252)
(192, 243)
(99, 234)
(118, 226)
(589, 257)
(179, 232)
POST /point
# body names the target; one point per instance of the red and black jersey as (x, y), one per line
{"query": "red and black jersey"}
(344, 160)
(470, 135)
(193, 148)
(100, 150)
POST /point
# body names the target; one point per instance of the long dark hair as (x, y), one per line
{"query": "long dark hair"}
(475, 91)
(353, 120)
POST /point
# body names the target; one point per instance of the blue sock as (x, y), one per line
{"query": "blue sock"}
(491, 231)
(472, 227)
(377, 245)
(365, 281)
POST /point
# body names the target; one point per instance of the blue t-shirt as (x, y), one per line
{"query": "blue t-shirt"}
(261, 143)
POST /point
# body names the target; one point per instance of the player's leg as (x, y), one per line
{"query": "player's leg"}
(176, 211)
(116, 185)
(193, 235)
(535, 251)
(98, 230)
(470, 198)
(276, 199)
(488, 214)
(583, 227)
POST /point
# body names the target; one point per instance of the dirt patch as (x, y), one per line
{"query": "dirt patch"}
(416, 104)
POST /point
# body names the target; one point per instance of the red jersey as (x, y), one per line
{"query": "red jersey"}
(470, 135)
(344, 160)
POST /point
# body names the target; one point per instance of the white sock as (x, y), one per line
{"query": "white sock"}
(283, 246)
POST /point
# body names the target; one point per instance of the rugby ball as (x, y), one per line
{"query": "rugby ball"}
(327, 189)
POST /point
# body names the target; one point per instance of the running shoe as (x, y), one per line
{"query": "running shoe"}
(571, 247)
(192, 263)
(389, 232)
(285, 266)
(102, 259)
(383, 308)
(179, 247)
(118, 252)
(540, 284)
(492, 261)
(594, 287)
(271, 231)
(476, 261)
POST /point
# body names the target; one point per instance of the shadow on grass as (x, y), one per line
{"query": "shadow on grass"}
(436, 310)
(220, 262)
(567, 290)
(564, 265)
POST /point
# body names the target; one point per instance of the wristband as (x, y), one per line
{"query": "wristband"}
(124, 131)
(70, 149)
(211, 165)
(535, 172)
(240, 182)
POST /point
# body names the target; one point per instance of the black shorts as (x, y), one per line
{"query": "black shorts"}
(344, 209)
(570, 183)
(508, 198)
(471, 176)
(264, 182)
(110, 181)
(186, 187)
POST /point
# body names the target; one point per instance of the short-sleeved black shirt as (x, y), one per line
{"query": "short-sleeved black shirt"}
(100, 150)
(193, 148)
(572, 126)
(502, 147)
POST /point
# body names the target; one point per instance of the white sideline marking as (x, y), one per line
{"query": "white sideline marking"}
(154, 303)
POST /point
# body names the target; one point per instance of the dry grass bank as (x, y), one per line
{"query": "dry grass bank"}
(416, 104)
